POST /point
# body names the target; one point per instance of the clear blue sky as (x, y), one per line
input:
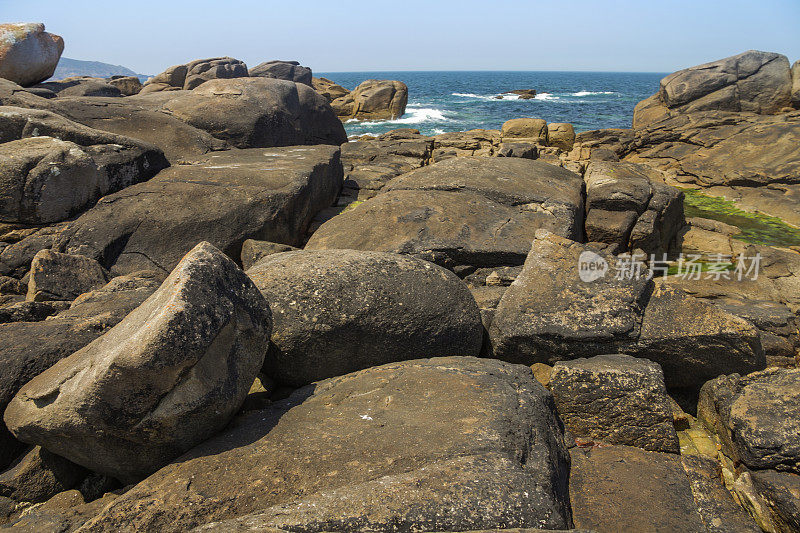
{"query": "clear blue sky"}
(346, 35)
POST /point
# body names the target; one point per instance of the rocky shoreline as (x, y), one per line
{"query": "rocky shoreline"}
(218, 313)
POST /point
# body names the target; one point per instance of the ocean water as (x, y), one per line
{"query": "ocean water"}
(439, 102)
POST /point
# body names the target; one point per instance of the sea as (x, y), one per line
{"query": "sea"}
(440, 102)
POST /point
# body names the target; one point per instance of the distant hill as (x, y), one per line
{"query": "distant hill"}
(75, 67)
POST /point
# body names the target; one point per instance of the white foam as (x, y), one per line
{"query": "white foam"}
(414, 115)
(592, 93)
(505, 96)
(545, 96)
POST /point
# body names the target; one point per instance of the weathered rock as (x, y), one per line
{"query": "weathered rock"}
(30, 348)
(283, 70)
(15, 260)
(127, 85)
(28, 54)
(719, 511)
(755, 417)
(524, 150)
(12, 94)
(61, 513)
(253, 251)
(328, 89)
(224, 198)
(550, 314)
(170, 375)
(779, 494)
(30, 311)
(81, 86)
(338, 311)
(628, 207)
(561, 135)
(753, 81)
(39, 475)
(559, 309)
(426, 430)
(530, 129)
(56, 276)
(471, 211)
(465, 143)
(259, 112)
(616, 399)
(374, 100)
(621, 488)
(195, 73)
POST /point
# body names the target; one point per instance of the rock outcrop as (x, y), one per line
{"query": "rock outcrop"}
(195, 73)
(338, 311)
(466, 211)
(329, 89)
(426, 430)
(170, 375)
(224, 198)
(283, 70)
(28, 54)
(373, 100)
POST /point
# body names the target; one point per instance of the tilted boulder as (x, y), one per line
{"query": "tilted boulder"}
(56, 276)
(426, 430)
(629, 208)
(373, 100)
(167, 377)
(615, 399)
(338, 311)
(328, 89)
(283, 70)
(465, 211)
(259, 112)
(224, 198)
(195, 73)
(561, 307)
(755, 417)
(28, 54)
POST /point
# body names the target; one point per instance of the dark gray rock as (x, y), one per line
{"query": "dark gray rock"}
(443, 444)
(195, 73)
(621, 488)
(56, 276)
(338, 311)
(168, 376)
(616, 399)
(756, 417)
(224, 198)
(39, 475)
(81, 86)
(466, 211)
(283, 70)
(780, 492)
(30, 311)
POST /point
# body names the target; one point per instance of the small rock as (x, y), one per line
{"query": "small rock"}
(57, 276)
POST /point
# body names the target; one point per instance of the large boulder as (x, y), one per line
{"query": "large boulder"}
(283, 70)
(53, 168)
(28, 54)
(39, 475)
(337, 311)
(373, 100)
(443, 444)
(55, 276)
(629, 208)
(224, 198)
(759, 82)
(167, 377)
(616, 399)
(532, 130)
(259, 112)
(573, 301)
(621, 488)
(796, 84)
(328, 88)
(30, 348)
(756, 417)
(195, 73)
(466, 211)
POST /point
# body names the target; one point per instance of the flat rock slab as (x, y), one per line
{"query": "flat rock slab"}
(223, 198)
(621, 488)
(616, 399)
(757, 417)
(466, 211)
(168, 376)
(443, 444)
(338, 311)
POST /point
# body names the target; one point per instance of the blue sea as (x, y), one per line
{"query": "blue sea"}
(439, 102)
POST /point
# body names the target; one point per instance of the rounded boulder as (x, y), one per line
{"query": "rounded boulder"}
(338, 311)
